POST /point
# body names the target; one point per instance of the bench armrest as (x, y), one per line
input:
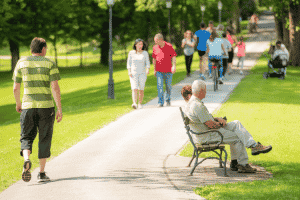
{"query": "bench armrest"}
(209, 131)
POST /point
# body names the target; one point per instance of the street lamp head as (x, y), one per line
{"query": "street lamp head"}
(220, 5)
(169, 3)
(202, 8)
(110, 2)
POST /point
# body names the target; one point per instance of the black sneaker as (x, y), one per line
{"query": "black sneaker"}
(233, 165)
(42, 177)
(168, 103)
(26, 175)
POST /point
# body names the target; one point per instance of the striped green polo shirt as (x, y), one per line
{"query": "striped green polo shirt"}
(36, 72)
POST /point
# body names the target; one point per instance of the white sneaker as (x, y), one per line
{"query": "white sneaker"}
(134, 106)
(140, 106)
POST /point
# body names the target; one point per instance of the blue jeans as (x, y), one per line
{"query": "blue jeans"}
(161, 77)
(241, 61)
(220, 73)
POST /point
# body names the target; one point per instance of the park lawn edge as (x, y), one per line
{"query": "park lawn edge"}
(285, 181)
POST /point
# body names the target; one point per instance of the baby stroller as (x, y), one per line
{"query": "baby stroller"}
(280, 63)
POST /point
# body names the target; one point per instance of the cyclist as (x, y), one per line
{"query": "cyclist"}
(214, 49)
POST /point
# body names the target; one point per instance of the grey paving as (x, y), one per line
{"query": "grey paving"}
(135, 157)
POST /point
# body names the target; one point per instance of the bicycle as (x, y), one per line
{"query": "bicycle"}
(216, 64)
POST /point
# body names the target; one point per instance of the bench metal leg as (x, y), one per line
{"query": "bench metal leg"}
(196, 164)
(194, 155)
(220, 160)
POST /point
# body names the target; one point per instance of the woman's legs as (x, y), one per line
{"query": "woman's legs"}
(188, 63)
(134, 96)
(141, 96)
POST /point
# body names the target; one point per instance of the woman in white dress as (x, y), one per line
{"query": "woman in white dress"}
(138, 66)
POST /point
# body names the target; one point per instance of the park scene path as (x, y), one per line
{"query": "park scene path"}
(136, 156)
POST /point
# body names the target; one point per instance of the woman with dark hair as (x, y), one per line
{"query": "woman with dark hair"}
(138, 66)
(188, 43)
(186, 92)
(215, 49)
(233, 41)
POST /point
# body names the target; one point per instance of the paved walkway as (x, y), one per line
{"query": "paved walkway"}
(135, 157)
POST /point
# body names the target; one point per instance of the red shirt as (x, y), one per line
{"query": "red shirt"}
(163, 57)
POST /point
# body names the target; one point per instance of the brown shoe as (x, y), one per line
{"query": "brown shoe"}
(246, 169)
(260, 149)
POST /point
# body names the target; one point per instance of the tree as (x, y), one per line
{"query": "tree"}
(294, 16)
(287, 19)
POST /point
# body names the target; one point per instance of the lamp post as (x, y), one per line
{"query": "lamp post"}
(220, 8)
(169, 6)
(202, 9)
(111, 93)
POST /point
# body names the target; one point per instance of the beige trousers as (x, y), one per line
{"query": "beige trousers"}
(235, 134)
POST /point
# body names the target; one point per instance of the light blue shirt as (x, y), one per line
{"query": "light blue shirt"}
(215, 47)
(227, 46)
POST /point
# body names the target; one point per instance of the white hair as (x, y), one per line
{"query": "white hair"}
(197, 86)
(159, 36)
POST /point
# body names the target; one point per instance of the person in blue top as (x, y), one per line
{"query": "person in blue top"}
(203, 36)
(215, 49)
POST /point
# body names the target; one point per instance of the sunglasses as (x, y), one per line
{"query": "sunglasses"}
(138, 40)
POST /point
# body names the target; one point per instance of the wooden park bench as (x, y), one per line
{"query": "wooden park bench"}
(206, 147)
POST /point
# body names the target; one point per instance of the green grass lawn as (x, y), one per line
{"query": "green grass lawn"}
(269, 109)
(85, 108)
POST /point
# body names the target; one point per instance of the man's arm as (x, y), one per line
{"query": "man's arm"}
(154, 66)
(57, 99)
(17, 87)
(216, 124)
(173, 64)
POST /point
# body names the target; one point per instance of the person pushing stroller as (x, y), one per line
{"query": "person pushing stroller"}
(280, 58)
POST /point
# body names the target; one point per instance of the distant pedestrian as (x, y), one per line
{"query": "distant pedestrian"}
(164, 61)
(227, 47)
(215, 48)
(39, 75)
(203, 36)
(188, 43)
(220, 30)
(138, 66)
(210, 27)
(233, 41)
(253, 21)
(241, 53)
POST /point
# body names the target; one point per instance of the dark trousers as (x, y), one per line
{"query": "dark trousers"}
(188, 63)
(225, 65)
(41, 119)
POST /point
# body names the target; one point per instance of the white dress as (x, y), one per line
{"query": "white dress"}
(137, 64)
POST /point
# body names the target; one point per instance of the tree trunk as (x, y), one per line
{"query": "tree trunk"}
(15, 53)
(81, 64)
(279, 27)
(236, 16)
(55, 50)
(294, 16)
(285, 31)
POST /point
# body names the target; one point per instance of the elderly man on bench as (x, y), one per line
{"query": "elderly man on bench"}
(234, 133)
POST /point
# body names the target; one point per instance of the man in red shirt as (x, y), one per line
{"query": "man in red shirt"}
(164, 61)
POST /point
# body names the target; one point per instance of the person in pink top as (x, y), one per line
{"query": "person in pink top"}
(232, 39)
(241, 53)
